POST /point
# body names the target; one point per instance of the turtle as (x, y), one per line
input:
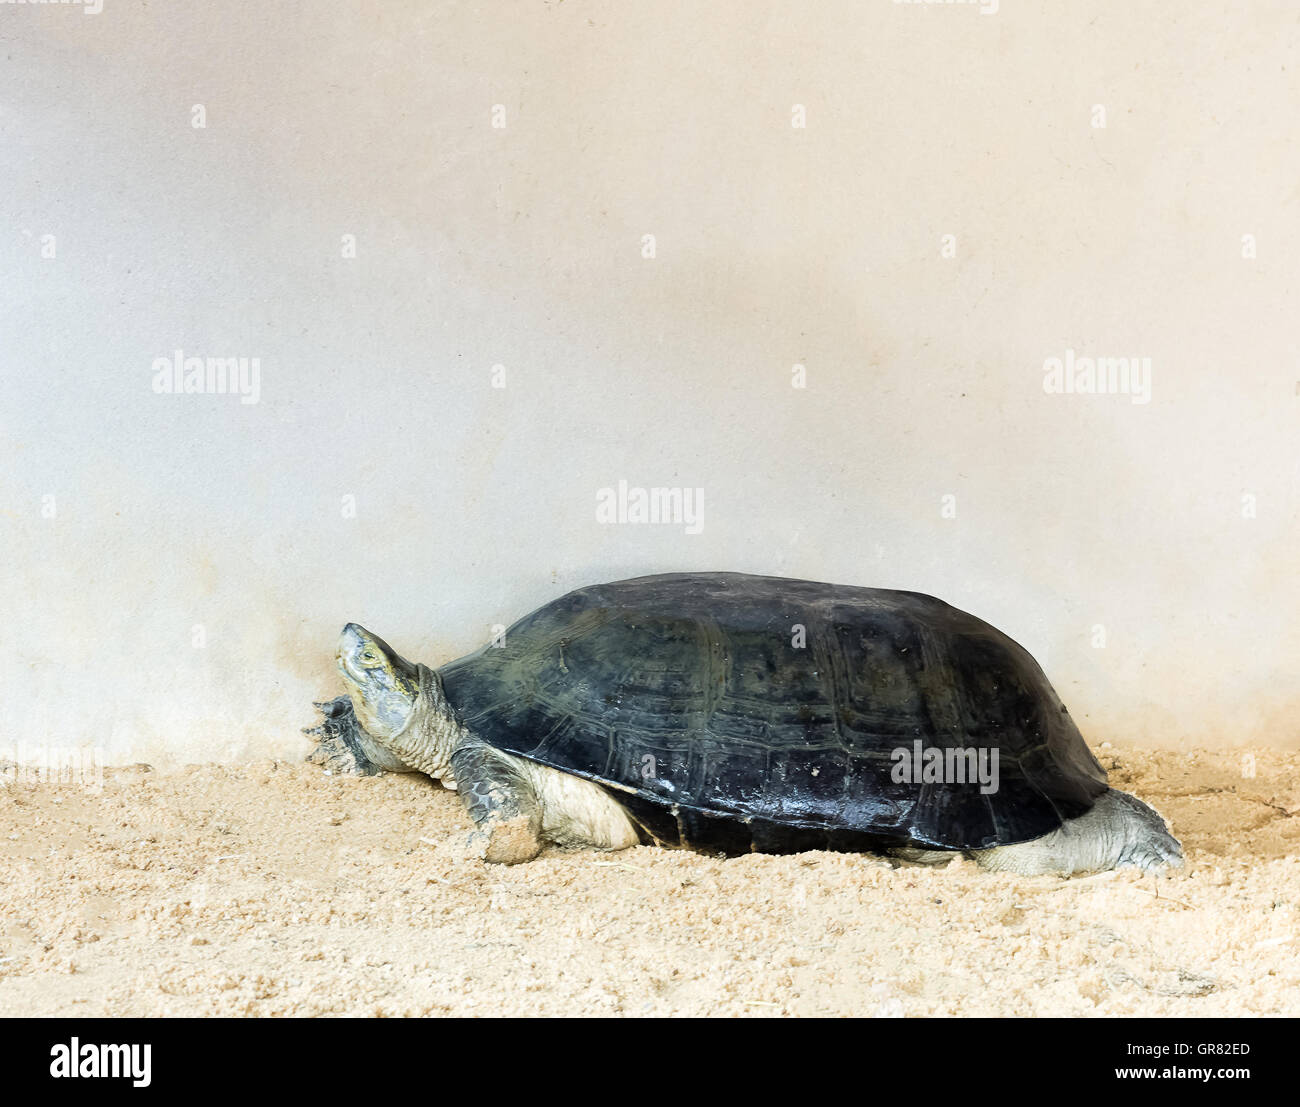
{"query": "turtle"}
(732, 713)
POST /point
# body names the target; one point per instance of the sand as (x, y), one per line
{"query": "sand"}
(271, 889)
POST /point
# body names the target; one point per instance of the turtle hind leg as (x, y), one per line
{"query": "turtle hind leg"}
(500, 799)
(1119, 831)
(345, 748)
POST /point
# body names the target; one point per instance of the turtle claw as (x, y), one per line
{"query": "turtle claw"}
(1151, 848)
(498, 842)
(510, 841)
(339, 751)
(1158, 857)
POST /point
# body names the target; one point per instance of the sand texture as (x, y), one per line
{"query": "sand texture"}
(271, 889)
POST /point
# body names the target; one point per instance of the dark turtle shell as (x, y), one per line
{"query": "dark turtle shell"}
(697, 699)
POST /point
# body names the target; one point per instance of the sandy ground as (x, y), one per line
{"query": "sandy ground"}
(271, 889)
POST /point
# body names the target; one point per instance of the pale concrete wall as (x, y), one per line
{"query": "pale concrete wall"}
(522, 246)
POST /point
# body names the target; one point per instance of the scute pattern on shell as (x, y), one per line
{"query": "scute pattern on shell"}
(687, 694)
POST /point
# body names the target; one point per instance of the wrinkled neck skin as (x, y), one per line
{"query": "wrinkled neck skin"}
(431, 733)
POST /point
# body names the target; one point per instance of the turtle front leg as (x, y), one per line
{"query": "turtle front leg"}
(499, 798)
(345, 748)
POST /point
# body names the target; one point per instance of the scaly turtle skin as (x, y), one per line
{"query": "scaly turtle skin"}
(730, 712)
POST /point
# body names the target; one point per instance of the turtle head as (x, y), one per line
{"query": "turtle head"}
(382, 684)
